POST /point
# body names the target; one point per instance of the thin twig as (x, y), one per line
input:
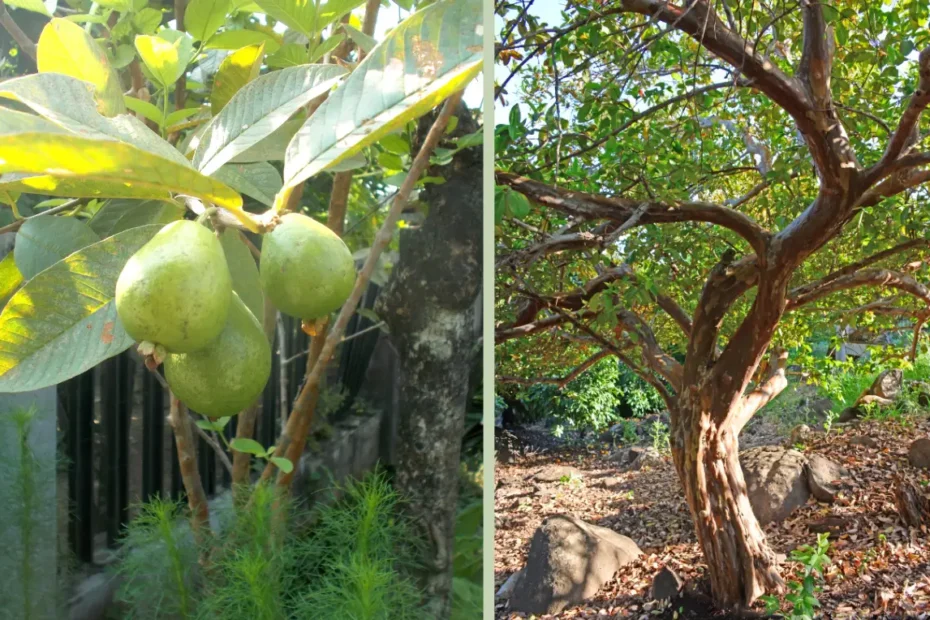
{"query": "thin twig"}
(216, 447)
(293, 438)
(21, 38)
(14, 226)
(190, 475)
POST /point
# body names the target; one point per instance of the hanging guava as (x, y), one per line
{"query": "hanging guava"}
(176, 290)
(306, 269)
(228, 375)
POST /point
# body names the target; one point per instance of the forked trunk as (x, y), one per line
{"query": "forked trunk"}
(740, 563)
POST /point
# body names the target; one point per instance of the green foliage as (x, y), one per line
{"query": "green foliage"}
(637, 398)
(591, 400)
(346, 560)
(658, 433)
(801, 601)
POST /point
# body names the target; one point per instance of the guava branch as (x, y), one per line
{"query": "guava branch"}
(558, 381)
(866, 277)
(71, 204)
(293, 438)
(22, 40)
(190, 475)
(762, 395)
(592, 206)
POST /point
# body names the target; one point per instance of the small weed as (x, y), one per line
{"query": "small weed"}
(660, 438)
(802, 596)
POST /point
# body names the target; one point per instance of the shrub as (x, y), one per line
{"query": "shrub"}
(591, 400)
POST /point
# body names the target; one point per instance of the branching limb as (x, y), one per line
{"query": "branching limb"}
(864, 277)
(816, 65)
(559, 381)
(591, 206)
(764, 393)
(903, 135)
(509, 332)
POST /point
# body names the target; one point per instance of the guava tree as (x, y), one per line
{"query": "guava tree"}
(139, 115)
(713, 182)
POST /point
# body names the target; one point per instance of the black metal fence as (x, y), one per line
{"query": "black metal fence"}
(118, 451)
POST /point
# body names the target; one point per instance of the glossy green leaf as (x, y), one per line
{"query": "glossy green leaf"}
(63, 321)
(289, 55)
(272, 146)
(244, 272)
(427, 57)
(66, 48)
(325, 47)
(69, 103)
(249, 446)
(237, 39)
(98, 163)
(258, 109)
(43, 241)
(204, 17)
(334, 10)
(299, 15)
(118, 215)
(362, 40)
(260, 180)
(236, 70)
(12, 121)
(283, 464)
(146, 109)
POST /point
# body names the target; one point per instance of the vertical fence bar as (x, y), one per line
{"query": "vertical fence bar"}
(153, 432)
(114, 384)
(79, 403)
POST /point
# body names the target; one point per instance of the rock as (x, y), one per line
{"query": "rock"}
(922, 390)
(887, 385)
(919, 453)
(568, 562)
(775, 481)
(849, 415)
(557, 473)
(635, 458)
(510, 585)
(822, 477)
(801, 433)
(666, 585)
(863, 440)
(821, 406)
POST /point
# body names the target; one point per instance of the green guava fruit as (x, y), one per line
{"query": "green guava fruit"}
(306, 269)
(230, 373)
(176, 290)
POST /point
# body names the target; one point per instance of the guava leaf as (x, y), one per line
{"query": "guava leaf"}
(430, 55)
(237, 39)
(10, 277)
(98, 163)
(249, 446)
(260, 107)
(259, 180)
(36, 6)
(69, 103)
(203, 18)
(299, 15)
(43, 241)
(118, 215)
(63, 321)
(244, 272)
(236, 70)
(64, 47)
(283, 464)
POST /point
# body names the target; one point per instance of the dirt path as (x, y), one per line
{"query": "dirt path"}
(878, 567)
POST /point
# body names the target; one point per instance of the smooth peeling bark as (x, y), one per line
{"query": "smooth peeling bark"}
(740, 564)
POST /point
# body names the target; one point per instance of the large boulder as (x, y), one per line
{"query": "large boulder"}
(568, 562)
(776, 481)
(887, 385)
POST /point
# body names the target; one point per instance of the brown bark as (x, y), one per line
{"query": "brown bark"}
(741, 566)
(187, 461)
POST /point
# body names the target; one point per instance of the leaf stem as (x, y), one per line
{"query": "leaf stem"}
(14, 226)
(21, 38)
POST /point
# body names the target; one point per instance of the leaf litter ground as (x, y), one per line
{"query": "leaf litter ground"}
(879, 568)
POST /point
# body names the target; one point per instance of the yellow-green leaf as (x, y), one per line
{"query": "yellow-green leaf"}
(245, 278)
(236, 70)
(36, 6)
(10, 278)
(64, 321)
(334, 10)
(165, 57)
(97, 166)
(204, 17)
(429, 56)
(64, 47)
(326, 47)
(146, 109)
(300, 15)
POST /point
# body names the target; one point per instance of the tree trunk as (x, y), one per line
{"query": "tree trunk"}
(429, 307)
(740, 564)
